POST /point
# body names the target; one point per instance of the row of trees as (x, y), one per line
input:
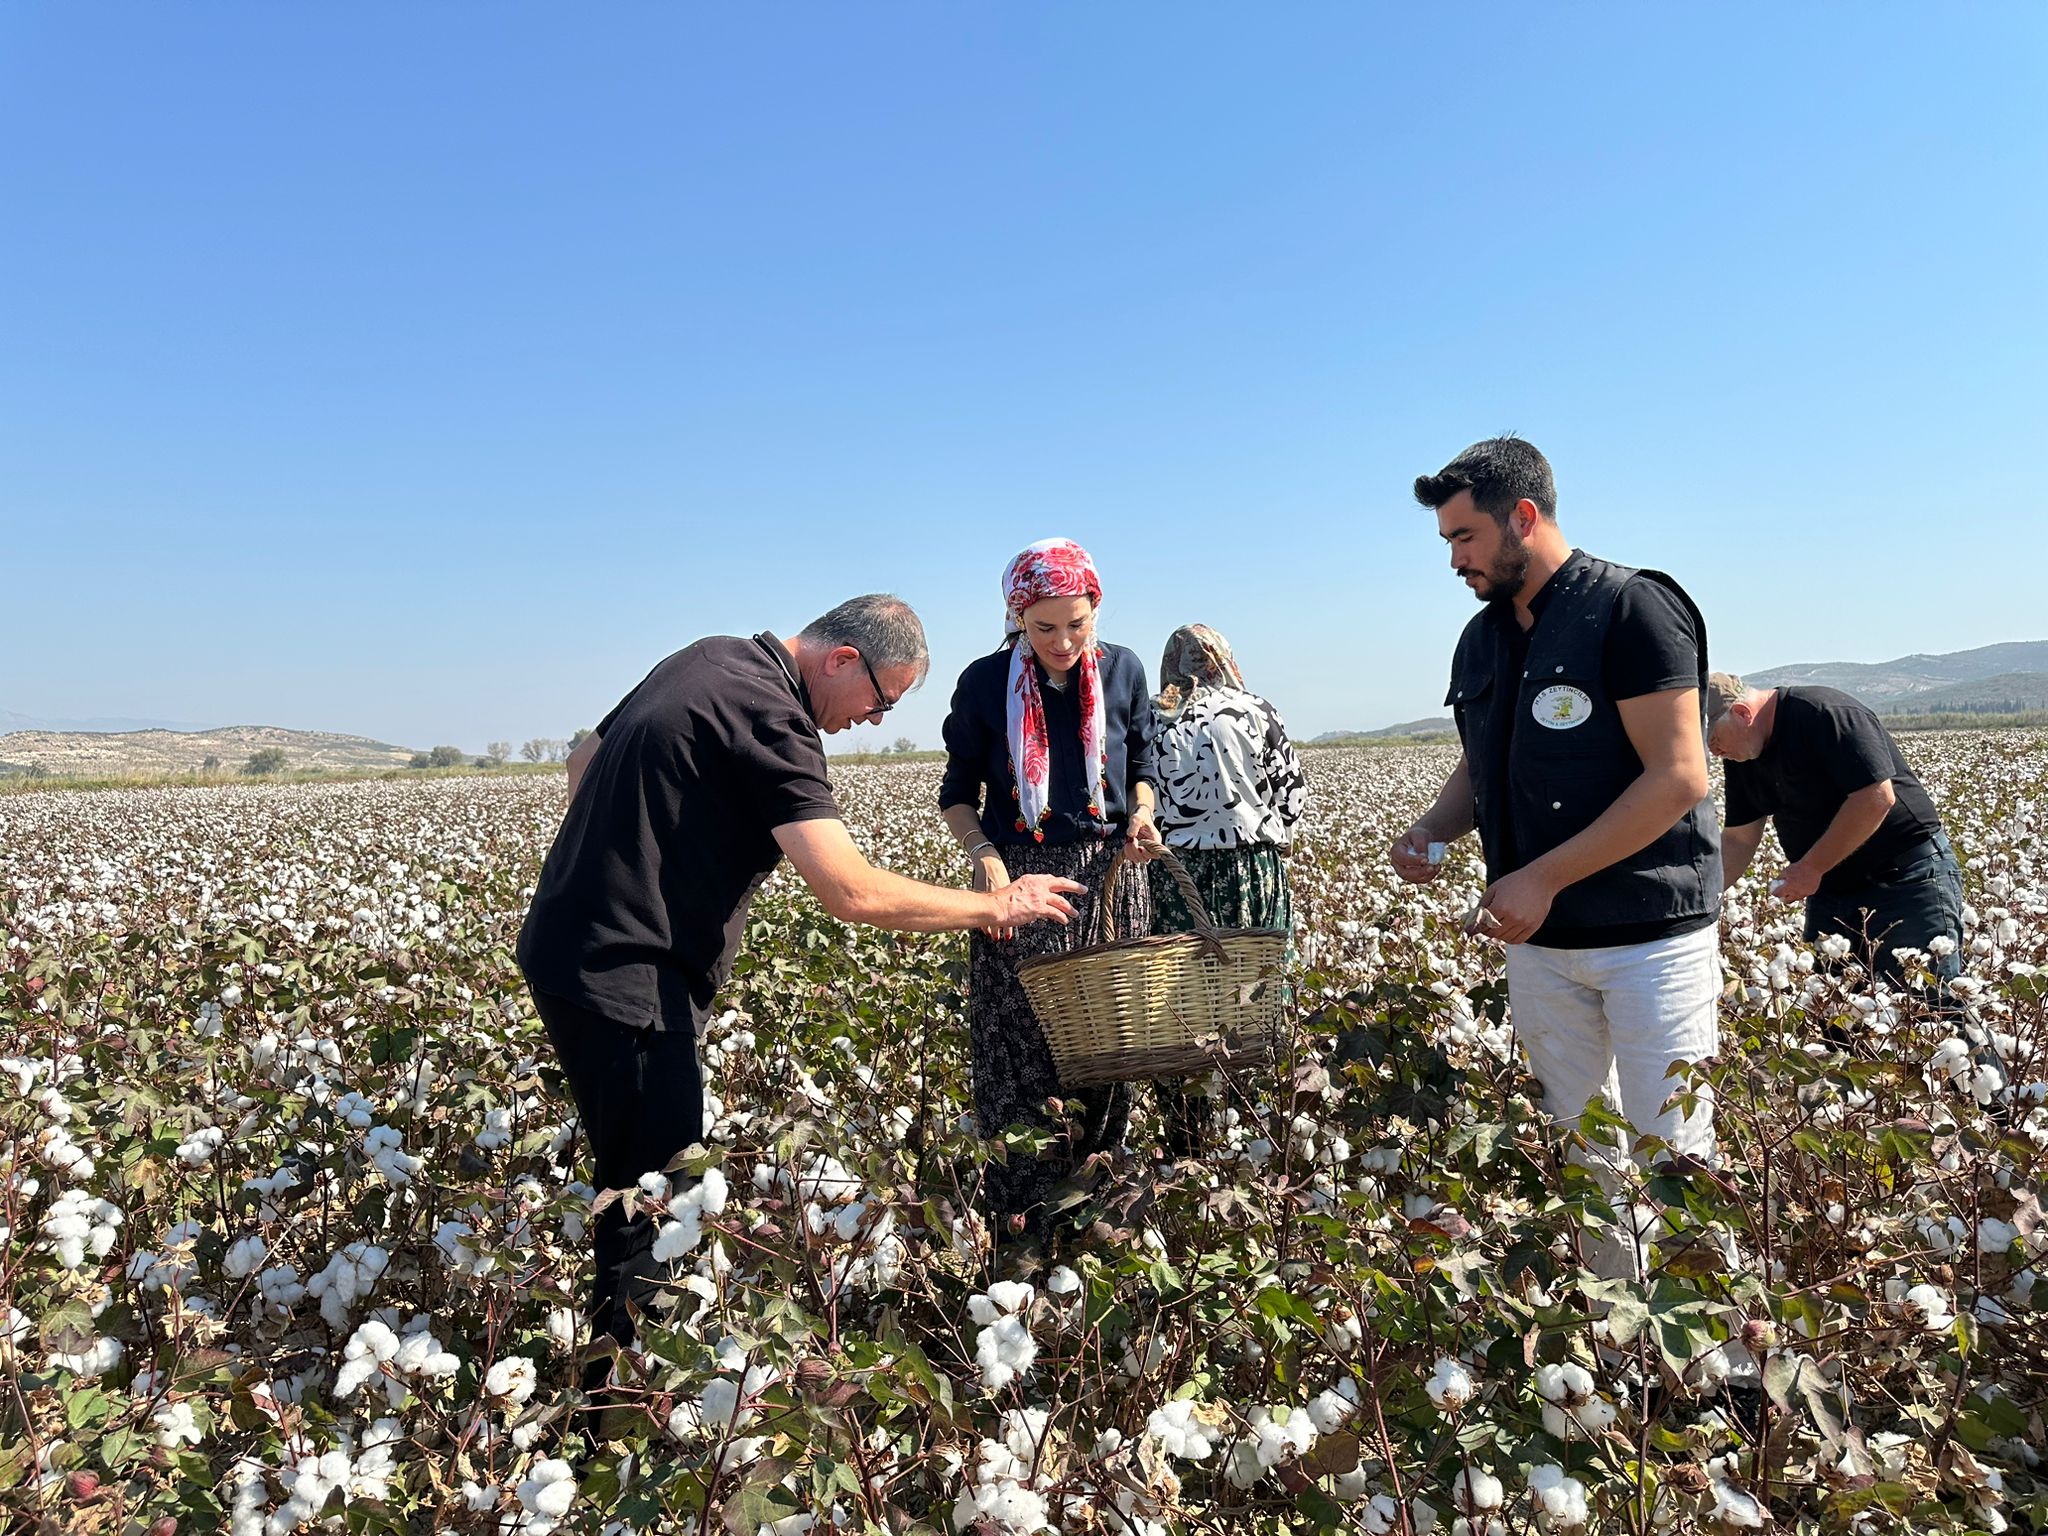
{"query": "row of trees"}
(542, 749)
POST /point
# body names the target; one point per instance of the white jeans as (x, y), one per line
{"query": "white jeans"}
(1615, 1020)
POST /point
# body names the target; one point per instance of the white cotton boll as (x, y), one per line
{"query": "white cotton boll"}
(1734, 1506)
(97, 1358)
(176, 1426)
(1476, 1492)
(1329, 1411)
(478, 1497)
(847, 1224)
(1581, 1421)
(385, 1149)
(1242, 1464)
(1449, 1385)
(496, 1130)
(1009, 1506)
(421, 1354)
(1560, 1501)
(1024, 1431)
(512, 1378)
(1932, 1305)
(1380, 1514)
(1005, 1352)
(367, 1351)
(826, 1180)
(1136, 1366)
(349, 1276)
(79, 1227)
(678, 1239)
(245, 1257)
(231, 997)
(549, 1489)
(713, 1192)
(1001, 1299)
(1179, 1432)
(197, 1148)
(563, 1326)
(1570, 1384)
(1285, 1435)
(279, 1289)
(1995, 1236)
(1062, 1282)
(1342, 1329)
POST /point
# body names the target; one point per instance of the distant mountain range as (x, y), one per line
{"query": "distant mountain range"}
(1434, 725)
(1993, 679)
(2004, 679)
(121, 752)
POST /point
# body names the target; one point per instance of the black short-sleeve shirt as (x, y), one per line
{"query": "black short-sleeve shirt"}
(977, 734)
(1824, 747)
(644, 895)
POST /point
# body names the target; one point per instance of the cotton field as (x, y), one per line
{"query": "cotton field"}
(294, 1222)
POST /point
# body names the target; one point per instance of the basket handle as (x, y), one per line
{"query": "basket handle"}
(1205, 926)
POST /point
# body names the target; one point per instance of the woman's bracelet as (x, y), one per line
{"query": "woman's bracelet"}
(975, 849)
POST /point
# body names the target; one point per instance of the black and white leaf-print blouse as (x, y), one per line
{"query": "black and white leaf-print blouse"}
(1226, 772)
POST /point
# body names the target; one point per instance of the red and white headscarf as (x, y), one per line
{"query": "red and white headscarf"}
(1050, 568)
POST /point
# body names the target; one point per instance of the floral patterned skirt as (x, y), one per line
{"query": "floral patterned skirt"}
(1244, 887)
(1013, 1070)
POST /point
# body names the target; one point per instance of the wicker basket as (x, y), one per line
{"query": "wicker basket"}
(1170, 1005)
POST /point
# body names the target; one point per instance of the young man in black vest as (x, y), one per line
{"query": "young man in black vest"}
(1868, 855)
(1578, 691)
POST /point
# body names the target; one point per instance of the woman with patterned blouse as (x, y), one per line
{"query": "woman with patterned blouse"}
(1231, 793)
(1048, 769)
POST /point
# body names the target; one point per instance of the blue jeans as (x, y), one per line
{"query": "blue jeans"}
(1921, 901)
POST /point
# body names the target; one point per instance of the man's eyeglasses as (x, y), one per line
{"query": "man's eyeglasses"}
(883, 703)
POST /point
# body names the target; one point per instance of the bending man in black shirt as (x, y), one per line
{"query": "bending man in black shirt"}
(681, 804)
(1868, 855)
(1577, 691)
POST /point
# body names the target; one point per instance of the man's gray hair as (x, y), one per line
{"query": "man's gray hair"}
(881, 627)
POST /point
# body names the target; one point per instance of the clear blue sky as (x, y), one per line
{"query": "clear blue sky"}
(428, 371)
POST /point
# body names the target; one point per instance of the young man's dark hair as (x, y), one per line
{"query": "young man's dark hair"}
(1498, 472)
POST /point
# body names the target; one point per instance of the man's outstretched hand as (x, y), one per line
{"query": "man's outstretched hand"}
(1037, 899)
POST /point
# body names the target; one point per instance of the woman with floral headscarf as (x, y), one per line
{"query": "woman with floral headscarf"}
(1048, 770)
(1231, 793)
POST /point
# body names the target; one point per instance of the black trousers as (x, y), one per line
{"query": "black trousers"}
(640, 1096)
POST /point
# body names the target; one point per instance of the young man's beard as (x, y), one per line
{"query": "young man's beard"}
(1509, 572)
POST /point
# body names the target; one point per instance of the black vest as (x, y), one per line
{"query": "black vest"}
(1568, 757)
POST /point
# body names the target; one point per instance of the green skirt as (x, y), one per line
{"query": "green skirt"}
(1243, 887)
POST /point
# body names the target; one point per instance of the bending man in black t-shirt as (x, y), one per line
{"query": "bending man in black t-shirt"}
(681, 804)
(1868, 856)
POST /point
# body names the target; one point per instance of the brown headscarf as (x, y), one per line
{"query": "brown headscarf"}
(1196, 658)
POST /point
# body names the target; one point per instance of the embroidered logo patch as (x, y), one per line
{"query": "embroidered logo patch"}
(1561, 708)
